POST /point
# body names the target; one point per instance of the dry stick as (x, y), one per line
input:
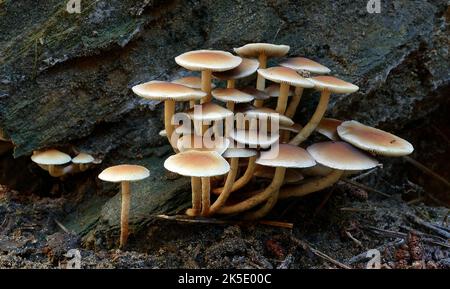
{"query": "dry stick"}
(126, 197)
(315, 119)
(426, 170)
(223, 197)
(62, 227)
(356, 241)
(364, 187)
(206, 189)
(440, 231)
(242, 181)
(295, 101)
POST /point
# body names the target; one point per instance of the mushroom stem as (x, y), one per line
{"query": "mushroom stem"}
(206, 189)
(231, 83)
(255, 200)
(126, 196)
(295, 100)
(169, 111)
(312, 186)
(55, 171)
(258, 103)
(315, 119)
(283, 98)
(192, 103)
(260, 81)
(244, 179)
(196, 184)
(221, 200)
(206, 85)
(230, 105)
(265, 209)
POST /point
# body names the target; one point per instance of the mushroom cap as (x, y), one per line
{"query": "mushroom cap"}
(191, 82)
(328, 127)
(333, 84)
(341, 156)
(197, 164)
(265, 112)
(296, 128)
(50, 157)
(121, 173)
(246, 68)
(273, 90)
(161, 90)
(292, 175)
(254, 138)
(257, 94)
(234, 152)
(231, 94)
(288, 156)
(255, 49)
(209, 112)
(373, 140)
(281, 74)
(214, 60)
(83, 158)
(202, 143)
(302, 63)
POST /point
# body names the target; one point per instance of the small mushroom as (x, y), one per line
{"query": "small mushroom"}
(191, 82)
(231, 96)
(245, 69)
(259, 95)
(124, 174)
(50, 160)
(83, 160)
(328, 127)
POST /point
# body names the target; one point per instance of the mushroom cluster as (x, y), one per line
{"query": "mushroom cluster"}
(230, 135)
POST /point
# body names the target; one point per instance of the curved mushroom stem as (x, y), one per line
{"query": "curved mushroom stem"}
(126, 196)
(55, 171)
(242, 181)
(192, 103)
(283, 98)
(295, 100)
(265, 209)
(196, 184)
(315, 119)
(206, 189)
(223, 197)
(260, 81)
(251, 202)
(206, 85)
(312, 186)
(230, 105)
(169, 111)
(231, 83)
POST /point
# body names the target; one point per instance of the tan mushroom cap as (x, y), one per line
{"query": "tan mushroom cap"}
(328, 128)
(292, 175)
(245, 69)
(191, 82)
(265, 112)
(214, 60)
(281, 74)
(234, 152)
(341, 156)
(231, 94)
(50, 157)
(202, 143)
(273, 90)
(293, 128)
(373, 140)
(257, 94)
(83, 158)
(255, 49)
(254, 138)
(197, 164)
(161, 90)
(333, 84)
(286, 156)
(209, 112)
(302, 63)
(122, 173)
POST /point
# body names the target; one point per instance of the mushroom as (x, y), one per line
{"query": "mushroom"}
(207, 61)
(292, 176)
(301, 65)
(259, 95)
(199, 164)
(328, 127)
(286, 156)
(208, 112)
(82, 160)
(169, 93)
(341, 157)
(245, 69)
(327, 85)
(285, 77)
(124, 174)
(49, 160)
(262, 51)
(191, 82)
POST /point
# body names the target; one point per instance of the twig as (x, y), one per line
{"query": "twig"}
(357, 209)
(277, 224)
(357, 242)
(365, 174)
(426, 170)
(364, 187)
(440, 231)
(62, 227)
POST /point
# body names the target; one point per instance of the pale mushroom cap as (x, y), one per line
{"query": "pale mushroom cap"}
(288, 156)
(239, 153)
(209, 112)
(50, 157)
(214, 60)
(281, 74)
(341, 156)
(374, 140)
(257, 94)
(293, 128)
(291, 176)
(122, 173)
(269, 113)
(83, 158)
(191, 82)
(273, 90)
(245, 69)
(254, 138)
(202, 143)
(328, 128)
(333, 84)
(255, 49)
(302, 63)
(161, 90)
(197, 164)
(231, 94)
